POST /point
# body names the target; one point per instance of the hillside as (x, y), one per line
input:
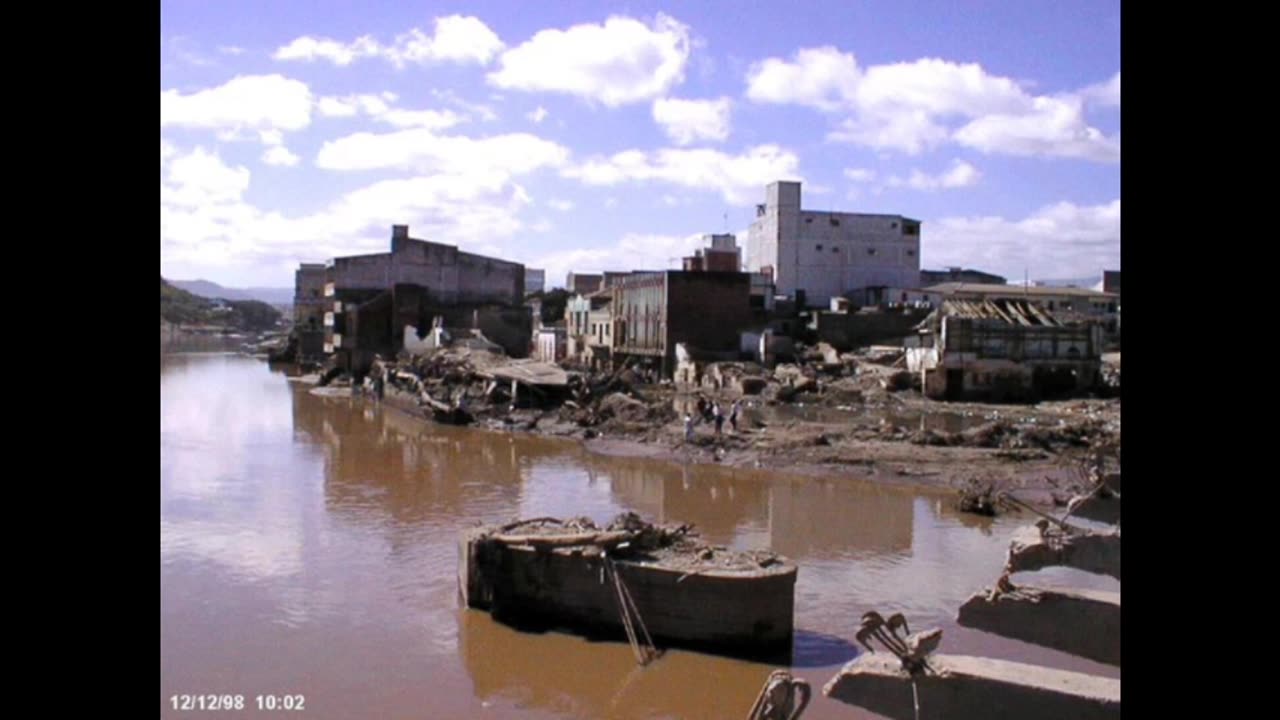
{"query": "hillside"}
(184, 308)
(212, 290)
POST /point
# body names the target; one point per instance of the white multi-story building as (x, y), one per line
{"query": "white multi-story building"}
(830, 254)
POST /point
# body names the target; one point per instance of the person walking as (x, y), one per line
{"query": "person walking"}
(718, 412)
(378, 372)
(734, 413)
(688, 428)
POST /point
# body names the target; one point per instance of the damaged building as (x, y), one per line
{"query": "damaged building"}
(653, 312)
(371, 299)
(813, 255)
(1003, 349)
(309, 306)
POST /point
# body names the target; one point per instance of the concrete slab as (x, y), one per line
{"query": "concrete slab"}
(1080, 622)
(1089, 551)
(1096, 508)
(974, 687)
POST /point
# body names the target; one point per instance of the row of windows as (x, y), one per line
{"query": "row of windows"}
(870, 251)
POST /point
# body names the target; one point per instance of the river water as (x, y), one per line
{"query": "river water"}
(308, 547)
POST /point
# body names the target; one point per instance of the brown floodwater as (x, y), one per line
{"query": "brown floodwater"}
(308, 547)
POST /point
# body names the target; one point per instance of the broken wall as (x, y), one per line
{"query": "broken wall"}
(846, 331)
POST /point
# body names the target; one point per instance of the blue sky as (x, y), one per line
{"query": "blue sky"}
(594, 136)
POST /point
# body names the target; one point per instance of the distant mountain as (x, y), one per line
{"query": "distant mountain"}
(181, 307)
(1084, 282)
(206, 289)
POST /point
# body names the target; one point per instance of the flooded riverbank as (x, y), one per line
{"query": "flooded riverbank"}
(308, 547)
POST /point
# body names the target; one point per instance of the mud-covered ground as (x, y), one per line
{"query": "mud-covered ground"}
(846, 416)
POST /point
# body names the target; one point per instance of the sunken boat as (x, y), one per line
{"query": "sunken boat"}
(631, 578)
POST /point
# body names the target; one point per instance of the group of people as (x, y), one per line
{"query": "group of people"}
(709, 411)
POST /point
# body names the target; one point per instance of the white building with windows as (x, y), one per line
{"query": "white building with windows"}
(830, 254)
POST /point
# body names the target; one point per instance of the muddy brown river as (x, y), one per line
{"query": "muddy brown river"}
(308, 550)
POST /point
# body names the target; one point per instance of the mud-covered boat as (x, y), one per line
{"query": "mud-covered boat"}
(597, 581)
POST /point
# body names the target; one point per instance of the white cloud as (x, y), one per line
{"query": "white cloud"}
(230, 50)
(619, 62)
(243, 104)
(824, 78)
(484, 112)
(537, 116)
(167, 150)
(738, 178)
(422, 150)
(430, 119)
(1103, 94)
(279, 155)
(542, 226)
(961, 174)
(561, 205)
(686, 121)
(206, 223)
(632, 252)
(1054, 127)
(914, 106)
(1062, 240)
(377, 107)
(200, 178)
(456, 39)
(860, 175)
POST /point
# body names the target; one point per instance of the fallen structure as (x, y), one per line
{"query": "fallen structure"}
(655, 584)
(1043, 545)
(961, 687)
(1098, 507)
(1003, 350)
(1080, 622)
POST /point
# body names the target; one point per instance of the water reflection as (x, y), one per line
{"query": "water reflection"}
(308, 544)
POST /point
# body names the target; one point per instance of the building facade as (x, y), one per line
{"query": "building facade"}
(653, 312)
(535, 281)
(821, 255)
(583, 284)
(309, 307)
(369, 299)
(1004, 350)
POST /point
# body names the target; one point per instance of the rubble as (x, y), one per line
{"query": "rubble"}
(1051, 617)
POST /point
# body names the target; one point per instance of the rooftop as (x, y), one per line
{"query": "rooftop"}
(1032, 291)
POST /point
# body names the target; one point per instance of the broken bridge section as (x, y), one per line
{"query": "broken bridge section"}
(1080, 622)
(963, 686)
(1034, 548)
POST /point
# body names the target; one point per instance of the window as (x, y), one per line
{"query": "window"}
(893, 225)
(819, 247)
(835, 249)
(910, 229)
(808, 220)
(871, 251)
(835, 222)
(911, 253)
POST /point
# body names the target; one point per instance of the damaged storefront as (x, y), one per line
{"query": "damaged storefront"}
(1003, 350)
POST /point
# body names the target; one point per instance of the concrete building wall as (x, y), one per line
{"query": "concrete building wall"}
(582, 283)
(708, 310)
(535, 281)
(827, 254)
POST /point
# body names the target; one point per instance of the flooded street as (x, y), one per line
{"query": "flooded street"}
(308, 547)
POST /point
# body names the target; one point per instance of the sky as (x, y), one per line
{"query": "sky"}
(593, 136)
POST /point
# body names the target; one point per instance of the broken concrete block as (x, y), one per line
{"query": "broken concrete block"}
(1098, 508)
(962, 687)
(1080, 622)
(1092, 552)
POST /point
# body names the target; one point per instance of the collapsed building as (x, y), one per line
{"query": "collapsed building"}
(383, 302)
(1003, 350)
